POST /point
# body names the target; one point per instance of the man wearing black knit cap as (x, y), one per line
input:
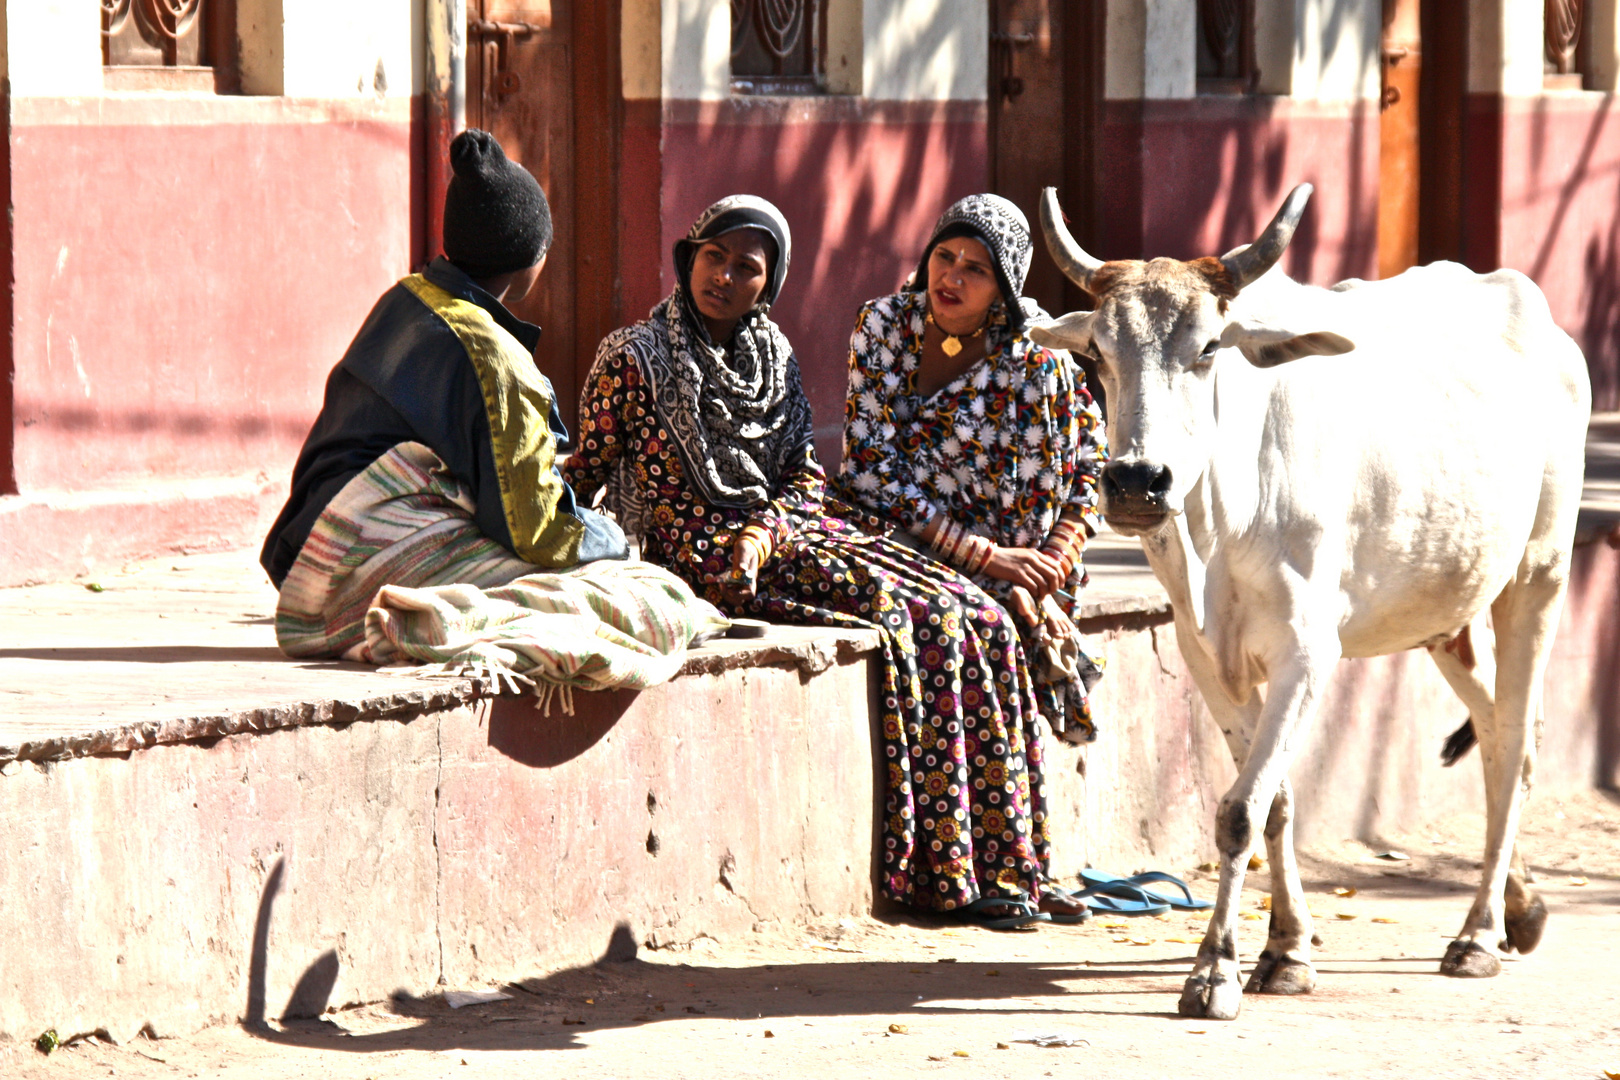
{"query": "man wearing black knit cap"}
(433, 459)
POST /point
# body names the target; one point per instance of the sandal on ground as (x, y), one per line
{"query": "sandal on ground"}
(1095, 879)
(1120, 897)
(1025, 914)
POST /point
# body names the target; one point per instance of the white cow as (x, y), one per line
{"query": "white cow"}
(1298, 512)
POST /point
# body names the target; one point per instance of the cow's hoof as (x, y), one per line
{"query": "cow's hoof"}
(1275, 973)
(1526, 917)
(1469, 960)
(1211, 997)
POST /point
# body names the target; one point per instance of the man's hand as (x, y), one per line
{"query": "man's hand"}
(1035, 570)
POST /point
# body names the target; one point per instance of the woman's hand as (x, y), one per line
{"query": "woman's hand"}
(1035, 570)
(743, 580)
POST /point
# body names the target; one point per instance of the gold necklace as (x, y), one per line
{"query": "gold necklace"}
(952, 343)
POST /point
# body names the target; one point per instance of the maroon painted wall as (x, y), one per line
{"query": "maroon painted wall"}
(861, 183)
(1197, 177)
(186, 273)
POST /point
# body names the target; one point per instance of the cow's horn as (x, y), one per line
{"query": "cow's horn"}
(1246, 264)
(1071, 258)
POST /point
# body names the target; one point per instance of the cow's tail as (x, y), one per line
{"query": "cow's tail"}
(1458, 743)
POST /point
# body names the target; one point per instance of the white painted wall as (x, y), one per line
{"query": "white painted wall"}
(1274, 46)
(1605, 30)
(1505, 47)
(641, 49)
(846, 46)
(50, 48)
(1336, 50)
(696, 49)
(318, 49)
(1152, 50)
(925, 50)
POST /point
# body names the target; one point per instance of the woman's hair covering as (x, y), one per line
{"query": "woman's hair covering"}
(728, 215)
(496, 218)
(1004, 231)
(736, 409)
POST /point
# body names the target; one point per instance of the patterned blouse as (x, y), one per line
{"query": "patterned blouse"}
(619, 429)
(1005, 449)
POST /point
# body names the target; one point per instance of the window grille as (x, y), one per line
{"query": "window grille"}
(777, 46)
(153, 33)
(1226, 47)
(1563, 36)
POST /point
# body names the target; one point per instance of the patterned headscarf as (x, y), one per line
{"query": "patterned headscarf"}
(1004, 231)
(736, 417)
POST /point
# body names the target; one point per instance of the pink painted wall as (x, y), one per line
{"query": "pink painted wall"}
(1197, 177)
(186, 273)
(861, 183)
(1560, 218)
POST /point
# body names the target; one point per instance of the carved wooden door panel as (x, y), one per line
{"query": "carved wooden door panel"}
(1400, 143)
(520, 88)
(1044, 95)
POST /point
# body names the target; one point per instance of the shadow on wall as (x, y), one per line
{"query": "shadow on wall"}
(544, 739)
(1219, 168)
(1600, 331)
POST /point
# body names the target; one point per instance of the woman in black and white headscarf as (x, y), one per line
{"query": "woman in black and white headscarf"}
(984, 447)
(696, 423)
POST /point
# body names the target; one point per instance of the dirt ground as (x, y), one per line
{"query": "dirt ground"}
(902, 998)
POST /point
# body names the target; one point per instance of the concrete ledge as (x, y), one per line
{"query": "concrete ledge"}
(319, 863)
(49, 536)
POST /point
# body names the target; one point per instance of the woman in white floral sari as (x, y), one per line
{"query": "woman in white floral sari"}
(983, 446)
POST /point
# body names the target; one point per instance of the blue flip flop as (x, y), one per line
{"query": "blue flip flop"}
(1102, 880)
(1122, 898)
(1028, 915)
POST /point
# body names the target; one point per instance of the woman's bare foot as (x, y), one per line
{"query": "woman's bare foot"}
(1062, 904)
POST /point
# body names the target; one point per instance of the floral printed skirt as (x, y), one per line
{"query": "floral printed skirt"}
(965, 813)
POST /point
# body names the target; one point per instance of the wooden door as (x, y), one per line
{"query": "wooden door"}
(1400, 137)
(1044, 93)
(542, 76)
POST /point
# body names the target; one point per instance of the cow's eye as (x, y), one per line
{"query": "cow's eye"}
(1208, 355)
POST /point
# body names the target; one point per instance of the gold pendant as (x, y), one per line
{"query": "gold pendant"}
(951, 345)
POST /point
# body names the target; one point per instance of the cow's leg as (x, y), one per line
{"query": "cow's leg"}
(1285, 965)
(1526, 615)
(1524, 915)
(1213, 990)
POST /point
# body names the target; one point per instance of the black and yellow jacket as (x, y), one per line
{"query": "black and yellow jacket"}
(441, 362)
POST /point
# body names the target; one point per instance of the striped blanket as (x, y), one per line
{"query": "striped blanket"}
(395, 571)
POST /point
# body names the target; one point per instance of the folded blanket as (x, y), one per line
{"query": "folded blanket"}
(602, 626)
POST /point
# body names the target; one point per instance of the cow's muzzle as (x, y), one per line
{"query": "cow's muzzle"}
(1135, 495)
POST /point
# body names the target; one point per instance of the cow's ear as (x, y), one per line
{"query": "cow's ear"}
(1072, 332)
(1266, 345)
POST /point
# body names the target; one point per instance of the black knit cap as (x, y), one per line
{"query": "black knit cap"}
(496, 218)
